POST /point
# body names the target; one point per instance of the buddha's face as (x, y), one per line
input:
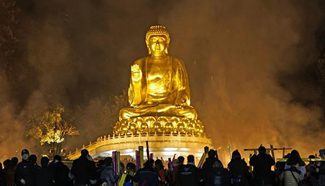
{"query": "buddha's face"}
(157, 45)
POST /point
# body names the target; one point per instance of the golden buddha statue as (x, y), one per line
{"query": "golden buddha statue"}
(159, 83)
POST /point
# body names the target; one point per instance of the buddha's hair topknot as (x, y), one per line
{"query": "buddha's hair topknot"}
(157, 30)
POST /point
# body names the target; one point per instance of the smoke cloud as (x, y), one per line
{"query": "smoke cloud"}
(251, 66)
(248, 58)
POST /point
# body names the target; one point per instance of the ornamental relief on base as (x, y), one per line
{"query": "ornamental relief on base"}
(159, 125)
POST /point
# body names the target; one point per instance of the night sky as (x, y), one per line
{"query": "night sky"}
(255, 67)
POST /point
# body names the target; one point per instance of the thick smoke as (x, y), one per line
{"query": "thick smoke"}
(247, 63)
(249, 57)
(9, 123)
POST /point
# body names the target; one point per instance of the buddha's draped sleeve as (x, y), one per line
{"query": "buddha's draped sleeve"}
(181, 84)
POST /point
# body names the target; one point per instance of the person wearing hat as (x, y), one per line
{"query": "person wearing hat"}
(262, 164)
(24, 171)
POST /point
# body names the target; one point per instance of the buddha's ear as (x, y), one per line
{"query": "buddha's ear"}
(149, 50)
(166, 50)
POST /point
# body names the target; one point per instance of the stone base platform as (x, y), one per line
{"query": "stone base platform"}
(160, 144)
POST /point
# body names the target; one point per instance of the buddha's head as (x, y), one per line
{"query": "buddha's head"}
(157, 40)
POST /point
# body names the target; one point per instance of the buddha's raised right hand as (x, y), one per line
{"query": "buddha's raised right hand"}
(136, 73)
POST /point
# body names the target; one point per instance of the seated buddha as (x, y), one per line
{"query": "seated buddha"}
(159, 83)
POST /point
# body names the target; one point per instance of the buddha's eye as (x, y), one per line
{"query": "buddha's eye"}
(154, 39)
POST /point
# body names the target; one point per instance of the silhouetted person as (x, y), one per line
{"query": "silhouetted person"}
(311, 176)
(262, 164)
(14, 162)
(217, 175)
(210, 160)
(100, 166)
(107, 175)
(181, 160)
(278, 169)
(161, 172)
(294, 170)
(33, 160)
(238, 170)
(147, 176)
(209, 163)
(24, 172)
(83, 169)
(128, 177)
(121, 168)
(9, 173)
(2, 176)
(35, 167)
(172, 164)
(188, 175)
(44, 176)
(60, 172)
(178, 165)
(321, 168)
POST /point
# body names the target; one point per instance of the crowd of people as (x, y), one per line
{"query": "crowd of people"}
(84, 171)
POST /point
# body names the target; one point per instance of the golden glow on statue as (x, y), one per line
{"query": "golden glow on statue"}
(159, 111)
(159, 83)
(159, 93)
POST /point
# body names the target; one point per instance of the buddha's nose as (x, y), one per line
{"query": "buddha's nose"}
(157, 47)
